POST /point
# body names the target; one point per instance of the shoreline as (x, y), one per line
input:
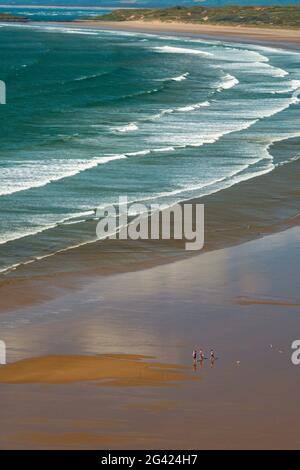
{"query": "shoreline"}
(285, 38)
(45, 278)
(99, 339)
(254, 216)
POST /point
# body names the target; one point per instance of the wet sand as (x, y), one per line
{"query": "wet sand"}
(246, 399)
(253, 301)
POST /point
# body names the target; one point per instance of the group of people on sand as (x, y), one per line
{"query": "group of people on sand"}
(198, 355)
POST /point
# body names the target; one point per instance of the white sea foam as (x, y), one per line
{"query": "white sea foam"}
(140, 153)
(162, 113)
(23, 233)
(287, 87)
(87, 77)
(78, 218)
(163, 149)
(202, 136)
(274, 71)
(236, 53)
(74, 31)
(285, 162)
(180, 78)
(227, 181)
(269, 87)
(35, 174)
(247, 55)
(266, 107)
(261, 68)
(192, 107)
(185, 192)
(228, 81)
(181, 50)
(272, 50)
(210, 187)
(182, 109)
(127, 128)
(258, 65)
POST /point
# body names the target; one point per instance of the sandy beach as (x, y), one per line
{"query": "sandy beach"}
(246, 400)
(272, 36)
(100, 337)
(112, 370)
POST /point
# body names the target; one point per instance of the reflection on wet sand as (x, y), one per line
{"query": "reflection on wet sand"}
(245, 399)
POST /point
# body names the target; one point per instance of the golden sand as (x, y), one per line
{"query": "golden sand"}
(113, 370)
(254, 33)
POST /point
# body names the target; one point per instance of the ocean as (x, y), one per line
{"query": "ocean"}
(54, 13)
(92, 115)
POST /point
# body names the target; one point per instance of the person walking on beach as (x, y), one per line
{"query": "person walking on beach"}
(212, 358)
(195, 356)
(201, 355)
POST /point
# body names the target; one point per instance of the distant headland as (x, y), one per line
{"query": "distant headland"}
(257, 16)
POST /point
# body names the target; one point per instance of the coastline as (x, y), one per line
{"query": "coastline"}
(98, 302)
(251, 213)
(285, 38)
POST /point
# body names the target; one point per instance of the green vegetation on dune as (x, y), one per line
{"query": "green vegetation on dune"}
(277, 16)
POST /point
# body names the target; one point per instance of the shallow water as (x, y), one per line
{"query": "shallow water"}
(93, 115)
(36, 13)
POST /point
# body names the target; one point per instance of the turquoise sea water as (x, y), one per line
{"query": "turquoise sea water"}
(54, 13)
(93, 115)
